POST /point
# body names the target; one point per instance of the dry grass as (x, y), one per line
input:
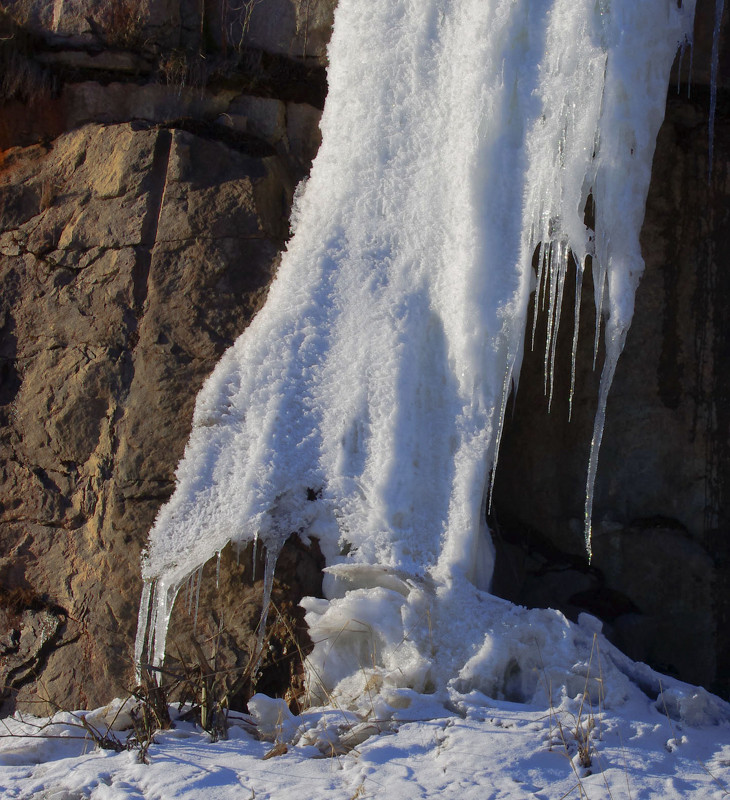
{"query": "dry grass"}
(576, 733)
(21, 76)
(103, 737)
(236, 20)
(121, 23)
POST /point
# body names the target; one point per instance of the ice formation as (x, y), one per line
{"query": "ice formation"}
(719, 8)
(462, 141)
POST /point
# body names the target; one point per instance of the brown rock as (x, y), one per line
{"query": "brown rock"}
(302, 130)
(264, 117)
(125, 274)
(91, 101)
(219, 613)
(299, 28)
(80, 23)
(293, 28)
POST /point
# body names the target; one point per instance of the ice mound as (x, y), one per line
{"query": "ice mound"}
(384, 646)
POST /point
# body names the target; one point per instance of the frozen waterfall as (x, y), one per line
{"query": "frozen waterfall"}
(462, 141)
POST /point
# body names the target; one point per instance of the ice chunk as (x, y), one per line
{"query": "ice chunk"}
(273, 719)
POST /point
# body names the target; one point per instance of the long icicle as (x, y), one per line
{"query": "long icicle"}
(563, 255)
(614, 348)
(579, 268)
(719, 7)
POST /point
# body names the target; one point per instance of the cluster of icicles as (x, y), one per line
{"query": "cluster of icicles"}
(363, 406)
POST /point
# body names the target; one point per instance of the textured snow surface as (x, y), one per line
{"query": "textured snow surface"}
(480, 749)
(462, 142)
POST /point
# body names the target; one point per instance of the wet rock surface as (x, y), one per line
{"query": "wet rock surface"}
(659, 575)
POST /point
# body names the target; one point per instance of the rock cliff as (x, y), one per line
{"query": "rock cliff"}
(149, 150)
(149, 156)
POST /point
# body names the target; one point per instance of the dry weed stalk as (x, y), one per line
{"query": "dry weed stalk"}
(105, 739)
(200, 688)
(577, 735)
(235, 22)
(151, 715)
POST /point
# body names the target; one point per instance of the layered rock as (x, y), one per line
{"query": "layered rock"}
(140, 224)
(132, 256)
(299, 28)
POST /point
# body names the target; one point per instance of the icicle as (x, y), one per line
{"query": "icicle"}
(166, 601)
(682, 49)
(538, 289)
(154, 619)
(614, 348)
(719, 7)
(551, 315)
(579, 268)
(149, 643)
(143, 625)
(506, 388)
(271, 557)
(147, 625)
(189, 594)
(563, 254)
(199, 580)
(218, 570)
(599, 277)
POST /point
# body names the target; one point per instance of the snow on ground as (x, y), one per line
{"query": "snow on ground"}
(481, 748)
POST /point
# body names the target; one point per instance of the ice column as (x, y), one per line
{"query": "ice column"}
(363, 405)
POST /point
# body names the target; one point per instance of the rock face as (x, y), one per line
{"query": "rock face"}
(299, 28)
(140, 225)
(148, 154)
(132, 255)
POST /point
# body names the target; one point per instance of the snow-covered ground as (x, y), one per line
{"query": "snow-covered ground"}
(480, 749)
